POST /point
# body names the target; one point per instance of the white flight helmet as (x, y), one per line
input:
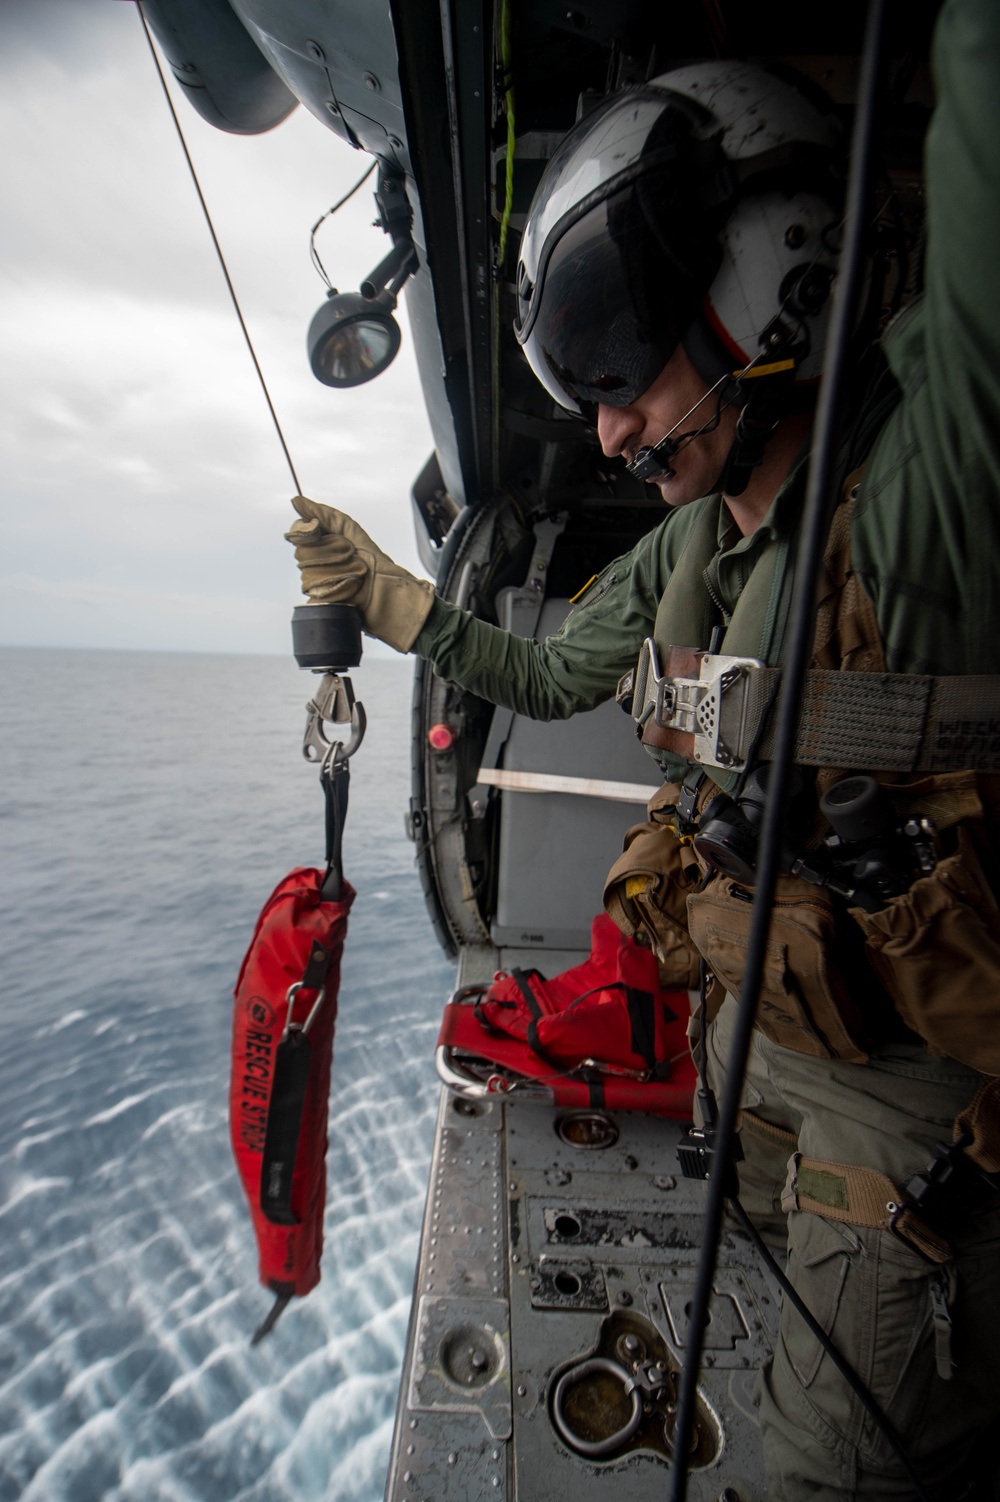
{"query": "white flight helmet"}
(702, 209)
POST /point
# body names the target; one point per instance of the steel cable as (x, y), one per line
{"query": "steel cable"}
(218, 248)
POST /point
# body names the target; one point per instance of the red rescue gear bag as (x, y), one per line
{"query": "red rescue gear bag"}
(283, 1023)
(602, 1033)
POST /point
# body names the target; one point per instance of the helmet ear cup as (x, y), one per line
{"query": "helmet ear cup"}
(775, 277)
(805, 290)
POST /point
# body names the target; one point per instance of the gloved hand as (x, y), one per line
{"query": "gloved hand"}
(340, 565)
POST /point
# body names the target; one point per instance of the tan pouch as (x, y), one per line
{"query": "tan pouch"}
(646, 891)
(936, 949)
(804, 1003)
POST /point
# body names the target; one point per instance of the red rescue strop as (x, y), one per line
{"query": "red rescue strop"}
(283, 1024)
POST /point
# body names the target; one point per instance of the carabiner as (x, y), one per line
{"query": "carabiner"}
(334, 700)
(303, 1027)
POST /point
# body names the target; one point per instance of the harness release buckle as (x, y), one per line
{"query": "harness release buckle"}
(714, 707)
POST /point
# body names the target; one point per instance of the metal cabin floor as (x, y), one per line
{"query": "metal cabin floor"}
(540, 1250)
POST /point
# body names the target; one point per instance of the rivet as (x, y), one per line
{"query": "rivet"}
(624, 1297)
(521, 1390)
(371, 82)
(452, 1458)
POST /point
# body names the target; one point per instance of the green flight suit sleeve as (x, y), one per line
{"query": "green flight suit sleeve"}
(926, 538)
(577, 667)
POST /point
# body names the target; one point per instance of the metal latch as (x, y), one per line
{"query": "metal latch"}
(715, 707)
(334, 702)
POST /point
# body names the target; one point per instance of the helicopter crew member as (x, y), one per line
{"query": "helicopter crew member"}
(674, 287)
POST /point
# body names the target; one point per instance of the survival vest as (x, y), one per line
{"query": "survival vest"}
(833, 975)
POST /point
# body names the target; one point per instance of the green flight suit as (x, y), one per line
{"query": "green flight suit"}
(926, 544)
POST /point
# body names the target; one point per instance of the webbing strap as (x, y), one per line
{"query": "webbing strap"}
(523, 983)
(335, 782)
(766, 1131)
(981, 1122)
(858, 1197)
(889, 722)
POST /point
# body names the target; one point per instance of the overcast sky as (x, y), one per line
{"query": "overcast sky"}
(143, 490)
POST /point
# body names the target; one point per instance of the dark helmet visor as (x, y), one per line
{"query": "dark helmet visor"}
(609, 319)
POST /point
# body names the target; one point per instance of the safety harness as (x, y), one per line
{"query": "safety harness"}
(714, 708)
(888, 722)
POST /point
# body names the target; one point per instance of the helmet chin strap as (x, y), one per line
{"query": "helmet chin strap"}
(757, 424)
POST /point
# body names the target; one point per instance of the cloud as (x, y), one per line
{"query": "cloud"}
(142, 476)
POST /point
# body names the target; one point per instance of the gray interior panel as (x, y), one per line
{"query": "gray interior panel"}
(557, 848)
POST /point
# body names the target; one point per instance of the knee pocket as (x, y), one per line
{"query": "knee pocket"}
(872, 1299)
(822, 1255)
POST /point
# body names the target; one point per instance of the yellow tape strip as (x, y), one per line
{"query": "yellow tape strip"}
(774, 368)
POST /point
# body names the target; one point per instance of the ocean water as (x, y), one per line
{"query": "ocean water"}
(148, 805)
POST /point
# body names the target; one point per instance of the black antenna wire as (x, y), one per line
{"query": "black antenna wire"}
(801, 625)
(313, 252)
(218, 249)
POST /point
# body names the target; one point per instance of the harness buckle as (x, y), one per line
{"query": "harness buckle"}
(714, 707)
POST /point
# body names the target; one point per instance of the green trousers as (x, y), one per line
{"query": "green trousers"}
(869, 1292)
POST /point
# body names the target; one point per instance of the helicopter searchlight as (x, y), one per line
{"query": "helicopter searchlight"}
(353, 336)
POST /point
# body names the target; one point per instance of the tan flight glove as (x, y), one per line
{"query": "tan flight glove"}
(340, 565)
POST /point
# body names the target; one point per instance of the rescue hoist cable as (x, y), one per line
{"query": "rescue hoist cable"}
(218, 248)
(279, 1133)
(816, 509)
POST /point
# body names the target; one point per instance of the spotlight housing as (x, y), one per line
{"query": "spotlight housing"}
(352, 338)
